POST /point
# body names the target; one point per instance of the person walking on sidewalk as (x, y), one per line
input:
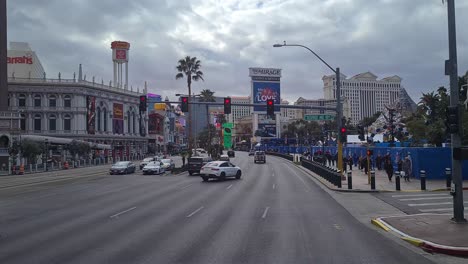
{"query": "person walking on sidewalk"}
(378, 162)
(355, 159)
(388, 167)
(407, 168)
(400, 165)
(350, 162)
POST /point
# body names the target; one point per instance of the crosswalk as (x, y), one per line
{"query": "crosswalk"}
(428, 202)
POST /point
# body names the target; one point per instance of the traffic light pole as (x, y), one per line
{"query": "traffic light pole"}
(458, 214)
(339, 116)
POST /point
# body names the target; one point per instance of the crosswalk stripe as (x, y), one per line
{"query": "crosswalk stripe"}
(429, 204)
(436, 210)
(425, 198)
(416, 195)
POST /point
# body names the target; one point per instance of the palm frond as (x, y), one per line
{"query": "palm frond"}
(179, 76)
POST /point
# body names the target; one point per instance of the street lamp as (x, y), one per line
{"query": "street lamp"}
(338, 98)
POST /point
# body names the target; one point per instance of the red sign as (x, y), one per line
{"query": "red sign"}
(118, 111)
(121, 54)
(120, 45)
(19, 60)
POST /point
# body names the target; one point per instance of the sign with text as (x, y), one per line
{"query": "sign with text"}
(91, 114)
(318, 117)
(262, 91)
(266, 130)
(117, 119)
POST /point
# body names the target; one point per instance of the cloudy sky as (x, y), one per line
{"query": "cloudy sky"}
(387, 37)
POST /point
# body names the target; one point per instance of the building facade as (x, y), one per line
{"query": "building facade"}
(238, 112)
(81, 110)
(366, 94)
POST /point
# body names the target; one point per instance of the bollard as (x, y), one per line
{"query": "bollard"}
(372, 180)
(79, 163)
(422, 175)
(52, 167)
(397, 181)
(36, 167)
(448, 177)
(44, 166)
(338, 179)
(30, 168)
(350, 180)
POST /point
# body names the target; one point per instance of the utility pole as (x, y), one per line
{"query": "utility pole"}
(3, 57)
(339, 116)
(451, 69)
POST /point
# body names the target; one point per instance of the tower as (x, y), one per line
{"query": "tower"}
(120, 57)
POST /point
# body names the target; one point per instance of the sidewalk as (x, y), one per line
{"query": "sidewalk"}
(434, 233)
(361, 182)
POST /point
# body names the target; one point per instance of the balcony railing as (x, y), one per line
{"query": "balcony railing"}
(73, 81)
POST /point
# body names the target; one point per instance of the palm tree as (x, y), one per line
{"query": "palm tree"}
(190, 68)
(206, 95)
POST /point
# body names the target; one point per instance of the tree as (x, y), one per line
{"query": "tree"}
(206, 95)
(30, 150)
(190, 68)
(78, 148)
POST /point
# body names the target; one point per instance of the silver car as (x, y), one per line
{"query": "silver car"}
(153, 167)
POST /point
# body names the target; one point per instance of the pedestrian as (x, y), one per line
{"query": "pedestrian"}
(355, 159)
(365, 165)
(350, 162)
(407, 168)
(378, 161)
(389, 168)
(400, 165)
(345, 163)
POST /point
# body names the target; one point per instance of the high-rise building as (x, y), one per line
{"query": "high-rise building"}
(239, 111)
(366, 94)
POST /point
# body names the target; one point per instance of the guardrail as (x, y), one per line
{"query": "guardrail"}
(284, 156)
(331, 175)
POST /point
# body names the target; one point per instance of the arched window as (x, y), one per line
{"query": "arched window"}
(22, 100)
(128, 122)
(23, 122)
(52, 101)
(104, 113)
(67, 101)
(98, 113)
(134, 122)
(67, 123)
(37, 122)
(37, 100)
(52, 122)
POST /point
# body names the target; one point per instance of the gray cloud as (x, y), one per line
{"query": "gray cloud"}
(387, 37)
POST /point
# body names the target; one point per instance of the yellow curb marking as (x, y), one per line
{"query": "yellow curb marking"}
(378, 223)
(413, 241)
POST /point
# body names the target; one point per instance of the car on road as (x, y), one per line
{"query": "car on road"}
(154, 167)
(122, 167)
(220, 170)
(224, 157)
(231, 153)
(195, 163)
(168, 164)
(252, 152)
(146, 161)
(259, 156)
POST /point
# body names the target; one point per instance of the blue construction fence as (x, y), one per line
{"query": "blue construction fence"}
(432, 160)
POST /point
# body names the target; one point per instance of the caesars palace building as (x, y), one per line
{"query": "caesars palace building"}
(59, 110)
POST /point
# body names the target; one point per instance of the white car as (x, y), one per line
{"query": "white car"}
(220, 170)
(168, 164)
(146, 161)
(154, 167)
(224, 157)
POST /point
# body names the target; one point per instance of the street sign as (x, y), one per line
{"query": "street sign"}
(318, 117)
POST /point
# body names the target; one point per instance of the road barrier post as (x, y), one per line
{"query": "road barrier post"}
(397, 181)
(350, 180)
(422, 175)
(448, 177)
(372, 182)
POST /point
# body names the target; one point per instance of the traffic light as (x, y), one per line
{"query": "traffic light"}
(270, 107)
(184, 105)
(343, 135)
(453, 120)
(361, 133)
(143, 103)
(227, 105)
(370, 152)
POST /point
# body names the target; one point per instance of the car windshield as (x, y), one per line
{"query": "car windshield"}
(121, 164)
(166, 161)
(153, 163)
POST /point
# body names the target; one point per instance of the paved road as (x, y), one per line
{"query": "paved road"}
(274, 214)
(425, 202)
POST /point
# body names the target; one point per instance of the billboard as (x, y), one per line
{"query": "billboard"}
(117, 119)
(266, 119)
(266, 130)
(91, 114)
(155, 124)
(262, 91)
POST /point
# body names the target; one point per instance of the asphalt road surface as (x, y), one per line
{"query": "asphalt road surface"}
(274, 214)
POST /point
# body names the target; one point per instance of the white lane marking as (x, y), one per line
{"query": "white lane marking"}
(194, 212)
(123, 212)
(274, 186)
(416, 195)
(265, 212)
(186, 186)
(229, 187)
(299, 177)
(429, 204)
(426, 198)
(436, 210)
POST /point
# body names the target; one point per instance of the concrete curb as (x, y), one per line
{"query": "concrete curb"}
(423, 244)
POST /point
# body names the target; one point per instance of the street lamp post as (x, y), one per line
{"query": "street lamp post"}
(339, 111)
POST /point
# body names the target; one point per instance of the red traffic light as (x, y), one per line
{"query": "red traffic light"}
(184, 99)
(343, 130)
(227, 101)
(270, 102)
